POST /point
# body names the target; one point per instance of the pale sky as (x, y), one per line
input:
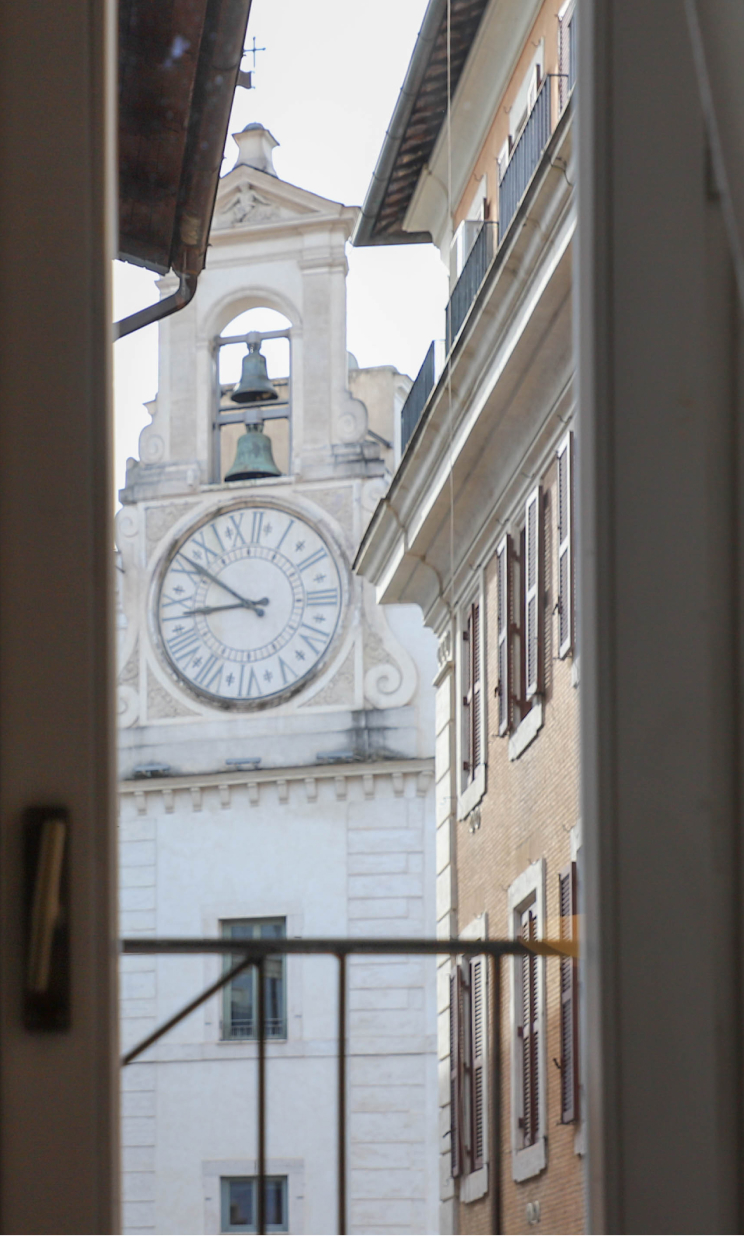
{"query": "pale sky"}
(326, 86)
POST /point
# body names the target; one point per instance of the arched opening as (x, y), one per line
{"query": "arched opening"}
(229, 359)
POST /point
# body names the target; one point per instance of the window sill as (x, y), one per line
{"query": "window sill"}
(530, 1161)
(474, 1186)
(526, 732)
(471, 796)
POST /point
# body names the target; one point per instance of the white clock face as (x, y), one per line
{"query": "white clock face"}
(249, 604)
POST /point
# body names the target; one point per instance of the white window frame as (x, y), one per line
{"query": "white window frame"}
(526, 890)
(213, 1171)
(213, 916)
(472, 790)
(259, 920)
(253, 1177)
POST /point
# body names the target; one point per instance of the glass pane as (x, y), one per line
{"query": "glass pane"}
(275, 1203)
(241, 1194)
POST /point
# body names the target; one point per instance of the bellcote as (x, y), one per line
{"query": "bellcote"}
(276, 246)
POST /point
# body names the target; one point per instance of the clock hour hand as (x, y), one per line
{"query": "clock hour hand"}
(244, 601)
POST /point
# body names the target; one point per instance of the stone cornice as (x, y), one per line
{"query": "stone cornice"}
(308, 777)
(471, 415)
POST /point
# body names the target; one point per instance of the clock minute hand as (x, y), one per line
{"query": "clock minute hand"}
(234, 605)
(244, 601)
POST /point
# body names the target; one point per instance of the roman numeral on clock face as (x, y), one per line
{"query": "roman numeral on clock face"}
(312, 559)
(182, 646)
(210, 674)
(322, 597)
(317, 638)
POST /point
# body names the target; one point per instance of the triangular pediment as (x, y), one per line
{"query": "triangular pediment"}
(247, 198)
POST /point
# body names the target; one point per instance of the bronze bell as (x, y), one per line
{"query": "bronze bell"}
(253, 457)
(254, 386)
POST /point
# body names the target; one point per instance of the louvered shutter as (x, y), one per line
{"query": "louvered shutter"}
(504, 628)
(569, 999)
(476, 704)
(478, 1035)
(530, 1036)
(455, 1073)
(472, 702)
(532, 593)
(565, 558)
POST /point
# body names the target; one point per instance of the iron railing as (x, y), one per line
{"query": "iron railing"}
(471, 277)
(572, 53)
(525, 157)
(416, 399)
(254, 954)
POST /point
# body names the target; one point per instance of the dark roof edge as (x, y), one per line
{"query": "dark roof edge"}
(364, 233)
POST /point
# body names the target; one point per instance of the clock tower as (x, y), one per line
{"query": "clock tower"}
(276, 771)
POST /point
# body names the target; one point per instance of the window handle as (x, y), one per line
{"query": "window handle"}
(47, 987)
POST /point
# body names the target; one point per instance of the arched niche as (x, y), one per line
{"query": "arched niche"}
(255, 315)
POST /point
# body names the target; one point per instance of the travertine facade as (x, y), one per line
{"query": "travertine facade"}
(310, 809)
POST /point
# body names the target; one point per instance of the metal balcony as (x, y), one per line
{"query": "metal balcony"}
(416, 399)
(472, 276)
(525, 156)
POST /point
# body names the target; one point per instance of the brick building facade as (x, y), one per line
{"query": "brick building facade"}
(478, 529)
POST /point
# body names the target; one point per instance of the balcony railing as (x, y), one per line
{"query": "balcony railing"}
(254, 953)
(472, 276)
(417, 396)
(525, 158)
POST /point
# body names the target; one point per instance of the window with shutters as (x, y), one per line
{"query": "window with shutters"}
(565, 606)
(569, 1060)
(520, 622)
(528, 1068)
(469, 1075)
(472, 746)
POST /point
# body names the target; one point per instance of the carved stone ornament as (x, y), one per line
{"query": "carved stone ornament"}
(160, 703)
(244, 206)
(340, 689)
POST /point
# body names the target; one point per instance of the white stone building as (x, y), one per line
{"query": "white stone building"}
(274, 779)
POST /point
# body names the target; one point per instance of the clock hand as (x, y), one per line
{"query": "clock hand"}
(234, 605)
(244, 601)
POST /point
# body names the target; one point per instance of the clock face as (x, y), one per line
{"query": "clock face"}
(249, 604)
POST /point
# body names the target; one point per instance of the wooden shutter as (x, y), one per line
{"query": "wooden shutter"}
(504, 555)
(478, 1036)
(530, 1035)
(456, 1073)
(532, 594)
(569, 999)
(472, 699)
(565, 557)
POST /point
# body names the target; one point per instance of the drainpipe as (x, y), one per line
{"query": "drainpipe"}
(155, 313)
